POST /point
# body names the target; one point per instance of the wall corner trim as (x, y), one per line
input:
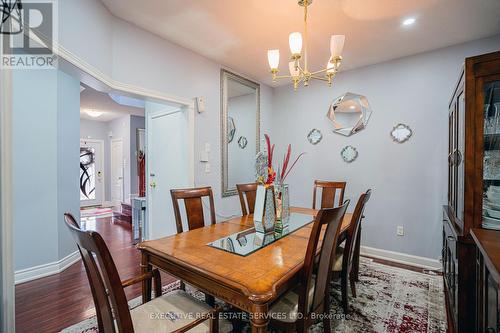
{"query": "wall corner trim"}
(402, 258)
(40, 271)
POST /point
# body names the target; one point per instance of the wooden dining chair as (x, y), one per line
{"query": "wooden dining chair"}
(328, 193)
(194, 206)
(345, 256)
(183, 311)
(298, 309)
(248, 191)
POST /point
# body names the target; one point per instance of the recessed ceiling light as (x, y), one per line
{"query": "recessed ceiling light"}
(93, 113)
(409, 21)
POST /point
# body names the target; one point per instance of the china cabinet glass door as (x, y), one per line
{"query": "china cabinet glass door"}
(491, 157)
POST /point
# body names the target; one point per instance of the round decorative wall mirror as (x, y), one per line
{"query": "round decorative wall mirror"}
(314, 136)
(349, 154)
(401, 133)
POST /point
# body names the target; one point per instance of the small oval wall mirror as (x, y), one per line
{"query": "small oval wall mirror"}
(314, 136)
(401, 133)
(349, 154)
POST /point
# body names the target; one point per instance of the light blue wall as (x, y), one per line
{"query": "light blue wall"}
(34, 158)
(45, 164)
(68, 157)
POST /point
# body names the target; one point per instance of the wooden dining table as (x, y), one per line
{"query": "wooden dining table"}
(250, 283)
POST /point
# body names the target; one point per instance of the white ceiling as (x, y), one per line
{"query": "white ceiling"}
(238, 33)
(91, 99)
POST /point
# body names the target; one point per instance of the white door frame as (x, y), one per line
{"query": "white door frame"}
(111, 170)
(190, 155)
(7, 316)
(90, 75)
(103, 177)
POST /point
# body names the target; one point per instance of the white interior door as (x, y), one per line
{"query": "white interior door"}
(117, 171)
(169, 164)
(91, 172)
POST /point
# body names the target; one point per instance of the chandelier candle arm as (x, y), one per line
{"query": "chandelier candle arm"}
(296, 42)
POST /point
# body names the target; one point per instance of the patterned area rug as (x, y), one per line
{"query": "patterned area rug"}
(389, 300)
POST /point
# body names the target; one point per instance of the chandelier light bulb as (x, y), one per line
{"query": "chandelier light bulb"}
(273, 57)
(295, 41)
(337, 45)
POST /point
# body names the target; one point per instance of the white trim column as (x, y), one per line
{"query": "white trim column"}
(7, 317)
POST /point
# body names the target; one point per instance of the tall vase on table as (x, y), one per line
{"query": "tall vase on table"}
(282, 200)
(272, 203)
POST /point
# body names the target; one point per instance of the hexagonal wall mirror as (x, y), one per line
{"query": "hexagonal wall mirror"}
(349, 114)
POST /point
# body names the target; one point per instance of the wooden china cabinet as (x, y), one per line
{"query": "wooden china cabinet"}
(473, 173)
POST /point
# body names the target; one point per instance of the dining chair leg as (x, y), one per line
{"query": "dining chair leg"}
(355, 261)
(352, 282)
(182, 286)
(210, 300)
(343, 288)
(326, 323)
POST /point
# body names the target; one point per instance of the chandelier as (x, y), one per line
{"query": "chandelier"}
(299, 73)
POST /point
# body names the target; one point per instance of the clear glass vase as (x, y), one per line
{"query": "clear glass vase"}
(282, 200)
(266, 223)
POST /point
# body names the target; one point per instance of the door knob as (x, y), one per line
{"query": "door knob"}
(152, 184)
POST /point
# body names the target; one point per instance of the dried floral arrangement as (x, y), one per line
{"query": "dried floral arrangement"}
(265, 172)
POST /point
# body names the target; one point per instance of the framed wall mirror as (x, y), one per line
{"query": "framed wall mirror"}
(240, 117)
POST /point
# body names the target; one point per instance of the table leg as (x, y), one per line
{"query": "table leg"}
(146, 284)
(355, 264)
(260, 318)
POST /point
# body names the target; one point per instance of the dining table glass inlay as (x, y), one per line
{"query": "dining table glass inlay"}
(248, 241)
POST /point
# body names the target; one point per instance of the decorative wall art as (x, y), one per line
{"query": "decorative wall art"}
(87, 173)
(349, 154)
(349, 114)
(314, 136)
(231, 129)
(242, 142)
(401, 133)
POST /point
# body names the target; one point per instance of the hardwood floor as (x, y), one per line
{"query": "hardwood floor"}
(55, 302)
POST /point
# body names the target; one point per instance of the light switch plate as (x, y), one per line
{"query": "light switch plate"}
(400, 231)
(200, 104)
(203, 156)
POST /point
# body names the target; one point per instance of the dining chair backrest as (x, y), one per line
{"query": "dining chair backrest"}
(194, 206)
(113, 314)
(332, 218)
(328, 193)
(248, 191)
(353, 231)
